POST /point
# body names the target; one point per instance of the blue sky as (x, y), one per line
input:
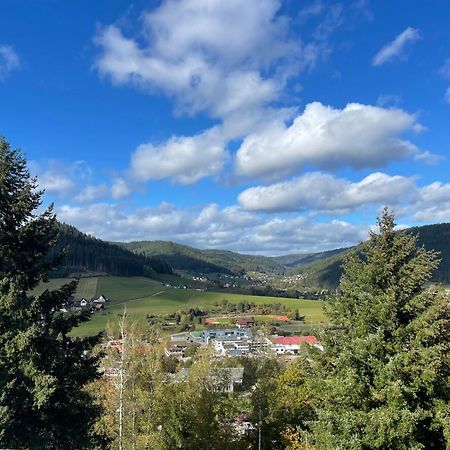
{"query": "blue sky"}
(260, 126)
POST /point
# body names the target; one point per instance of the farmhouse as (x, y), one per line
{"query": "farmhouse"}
(100, 299)
(75, 304)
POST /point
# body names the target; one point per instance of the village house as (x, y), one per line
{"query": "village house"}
(100, 299)
(177, 350)
(245, 323)
(75, 304)
(291, 344)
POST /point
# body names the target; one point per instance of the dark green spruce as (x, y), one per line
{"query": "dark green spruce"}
(84, 253)
(43, 372)
(382, 381)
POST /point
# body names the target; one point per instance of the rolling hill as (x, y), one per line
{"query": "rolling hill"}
(183, 257)
(326, 272)
(304, 259)
(85, 254)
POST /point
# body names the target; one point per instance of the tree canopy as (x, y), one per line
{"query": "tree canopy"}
(43, 371)
(382, 381)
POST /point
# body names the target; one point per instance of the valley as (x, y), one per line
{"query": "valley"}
(143, 297)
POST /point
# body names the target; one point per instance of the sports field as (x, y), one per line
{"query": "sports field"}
(143, 296)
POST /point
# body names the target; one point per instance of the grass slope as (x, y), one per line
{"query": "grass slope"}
(87, 287)
(143, 296)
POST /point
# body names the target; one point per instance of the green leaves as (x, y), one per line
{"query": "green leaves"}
(383, 378)
(43, 372)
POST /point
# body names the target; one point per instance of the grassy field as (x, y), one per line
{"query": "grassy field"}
(143, 296)
(87, 287)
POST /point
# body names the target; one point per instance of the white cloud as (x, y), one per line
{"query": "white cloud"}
(312, 10)
(436, 193)
(55, 183)
(359, 136)
(386, 100)
(230, 59)
(75, 181)
(9, 61)
(91, 193)
(120, 189)
(184, 159)
(324, 192)
(237, 229)
(397, 47)
(230, 228)
(431, 204)
(210, 55)
(300, 235)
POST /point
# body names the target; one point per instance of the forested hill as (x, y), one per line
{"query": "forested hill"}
(327, 272)
(303, 259)
(88, 254)
(182, 257)
(85, 253)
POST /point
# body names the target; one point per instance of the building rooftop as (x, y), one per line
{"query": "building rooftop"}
(295, 340)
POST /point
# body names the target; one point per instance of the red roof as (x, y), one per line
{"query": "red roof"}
(295, 340)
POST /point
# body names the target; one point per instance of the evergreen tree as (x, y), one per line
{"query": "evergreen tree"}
(43, 372)
(382, 381)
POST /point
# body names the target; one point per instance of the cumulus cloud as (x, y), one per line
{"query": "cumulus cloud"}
(396, 48)
(120, 188)
(55, 183)
(433, 204)
(230, 60)
(76, 181)
(325, 192)
(92, 192)
(185, 159)
(301, 235)
(359, 136)
(256, 231)
(9, 61)
(212, 227)
(209, 55)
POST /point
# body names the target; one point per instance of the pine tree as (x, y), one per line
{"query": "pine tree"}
(382, 381)
(43, 371)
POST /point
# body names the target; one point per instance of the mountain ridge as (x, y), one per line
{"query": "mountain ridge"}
(321, 269)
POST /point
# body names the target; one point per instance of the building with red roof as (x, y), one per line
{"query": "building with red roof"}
(291, 344)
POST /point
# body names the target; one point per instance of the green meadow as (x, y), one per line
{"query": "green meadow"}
(142, 296)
